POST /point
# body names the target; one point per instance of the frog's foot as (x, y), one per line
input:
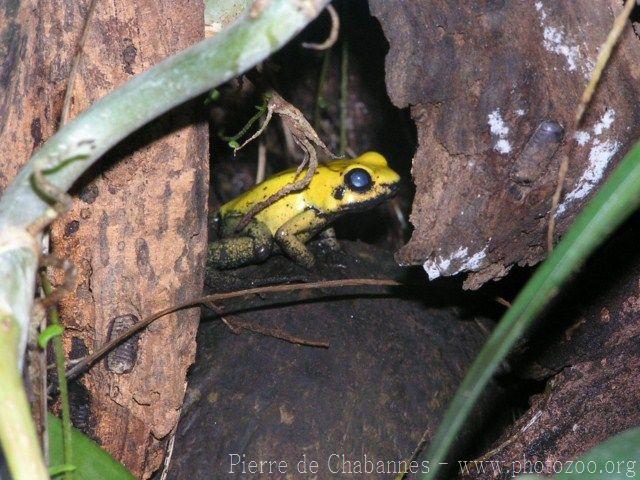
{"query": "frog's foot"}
(306, 261)
(294, 248)
(291, 237)
(328, 239)
(237, 252)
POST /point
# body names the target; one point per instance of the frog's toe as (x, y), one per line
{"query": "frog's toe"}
(218, 257)
(307, 262)
(261, 252)
(330, 243)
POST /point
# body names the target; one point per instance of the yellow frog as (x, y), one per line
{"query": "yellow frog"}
(337, 187)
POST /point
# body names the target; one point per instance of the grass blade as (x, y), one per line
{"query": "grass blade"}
(615, 201)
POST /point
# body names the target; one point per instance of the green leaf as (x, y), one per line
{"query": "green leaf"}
(60, 469)
(233, 144)
(48, 333)
(614, 459)
(617, 199)
(91, 461)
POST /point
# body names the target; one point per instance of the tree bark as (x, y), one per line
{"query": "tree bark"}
(137, 230)
(493, 89)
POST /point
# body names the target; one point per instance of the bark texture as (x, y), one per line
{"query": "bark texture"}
(31, 78)
(493, 88)
(137, 229)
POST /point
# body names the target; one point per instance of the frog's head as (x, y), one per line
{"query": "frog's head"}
(361, 182)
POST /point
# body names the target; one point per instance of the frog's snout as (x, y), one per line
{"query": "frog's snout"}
(393, 188)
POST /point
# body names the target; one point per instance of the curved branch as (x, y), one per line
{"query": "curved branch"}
(333, 34)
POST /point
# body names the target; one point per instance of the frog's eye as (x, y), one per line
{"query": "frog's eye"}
(358, 180)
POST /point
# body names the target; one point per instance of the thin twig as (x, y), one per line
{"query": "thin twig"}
(261, 111)
(275, 333)
(495, 450)
(310, 161)
(503, 302)
(68, 284)
(168, 454)
(216, 297)
(68, 94)
(333, 34)
(603, 57)
(236, 326)
(49, 294)
(324, 69)
(223, 318)
(262, 162)
(305, 137)
(562, 175)
(53, 313)
(394, 206)
(289, 142)
(37, 376)
(414, 455)
(58, 348)
(344, 96)
(258, 132)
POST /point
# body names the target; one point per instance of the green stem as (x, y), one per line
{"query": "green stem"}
(320, 101)
(58, 349)
(261, 111)
(18, 263)
(17, 432)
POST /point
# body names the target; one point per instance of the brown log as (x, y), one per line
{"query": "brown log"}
(394, 360)
(137, 229)
(481, 79)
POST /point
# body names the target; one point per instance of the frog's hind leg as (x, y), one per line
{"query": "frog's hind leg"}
(252, 245)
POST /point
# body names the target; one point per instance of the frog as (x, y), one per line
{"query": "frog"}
(337, 187)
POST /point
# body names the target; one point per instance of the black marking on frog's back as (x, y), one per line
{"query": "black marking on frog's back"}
(338, 192)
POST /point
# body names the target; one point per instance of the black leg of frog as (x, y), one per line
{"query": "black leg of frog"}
(294, 233)
(252, 245)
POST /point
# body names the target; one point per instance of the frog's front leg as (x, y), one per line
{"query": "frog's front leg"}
(293, 234)
(253, 245)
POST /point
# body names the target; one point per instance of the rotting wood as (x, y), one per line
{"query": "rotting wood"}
(480, 79)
